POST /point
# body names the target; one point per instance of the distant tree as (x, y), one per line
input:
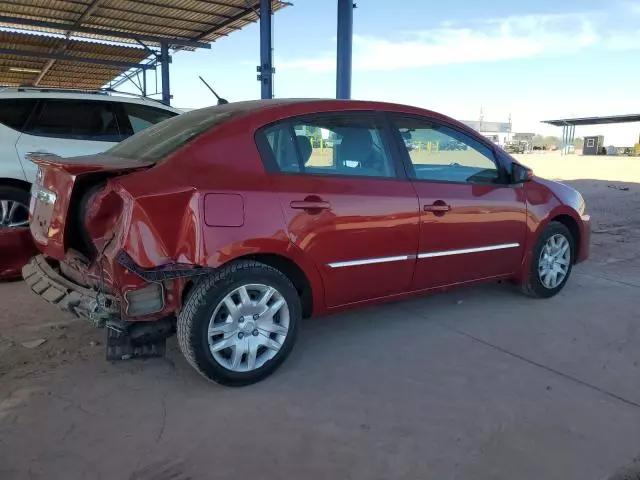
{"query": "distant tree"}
(538, 141)
(315, 134)
(553, 141)
(577, 142)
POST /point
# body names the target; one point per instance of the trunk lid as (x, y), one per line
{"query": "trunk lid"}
(60, 184)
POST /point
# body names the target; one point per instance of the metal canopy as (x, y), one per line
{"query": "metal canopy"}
(569, 126)
(185, 23)
(27, 59)
(595, 120)
(153, 26)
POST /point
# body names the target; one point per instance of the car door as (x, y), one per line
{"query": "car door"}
(346, 202)
(68, 128)
(472, 221)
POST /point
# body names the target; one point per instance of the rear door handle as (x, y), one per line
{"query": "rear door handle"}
(310, 205)
(437, 207)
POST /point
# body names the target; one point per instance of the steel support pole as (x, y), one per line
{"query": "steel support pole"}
(144, 83)
(266, 64)
(569, 139)
(344, 49)
(165, 59)
(563, 143)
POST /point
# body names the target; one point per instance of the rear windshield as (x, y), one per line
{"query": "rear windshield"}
(157, 142)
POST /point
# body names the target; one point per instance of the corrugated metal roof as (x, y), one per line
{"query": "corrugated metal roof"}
(121, 21)
(18, 69)
(200, 20)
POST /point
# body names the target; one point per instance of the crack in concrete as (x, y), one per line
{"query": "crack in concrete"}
(164, 419)
(621, 282)
(539, 365)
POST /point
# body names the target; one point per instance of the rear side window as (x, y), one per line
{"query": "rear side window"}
(77, 120)
(336, 144)
(15, 112)
(159, 141)
(141, 117)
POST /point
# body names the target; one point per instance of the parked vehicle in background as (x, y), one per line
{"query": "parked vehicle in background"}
(516, 146)
(61, 122)
(227, 224)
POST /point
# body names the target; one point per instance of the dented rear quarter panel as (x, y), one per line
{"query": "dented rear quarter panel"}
(166, 219)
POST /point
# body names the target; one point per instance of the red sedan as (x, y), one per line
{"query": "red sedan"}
(232, 223)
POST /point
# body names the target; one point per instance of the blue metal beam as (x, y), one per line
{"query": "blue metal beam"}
(165, 59)
(344, 49)
(251, 6)
(266, 68)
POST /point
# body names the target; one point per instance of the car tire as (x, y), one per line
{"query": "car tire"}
(538, 284)
(12, 195)
(208, 321)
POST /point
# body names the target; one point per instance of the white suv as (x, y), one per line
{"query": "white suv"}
(64, 123)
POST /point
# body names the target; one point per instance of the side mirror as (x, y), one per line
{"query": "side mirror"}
(520, 173)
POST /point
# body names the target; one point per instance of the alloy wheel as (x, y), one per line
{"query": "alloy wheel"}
(13, 214)
(248, 327)
(554, 262)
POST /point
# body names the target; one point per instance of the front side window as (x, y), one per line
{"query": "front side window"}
(441, 153)
(77, 120)
(142, 116)
(15, 112)
(331, 145)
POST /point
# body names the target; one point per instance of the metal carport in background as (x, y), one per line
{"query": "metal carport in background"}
(152, 29)
(569, 125)
(45, 61)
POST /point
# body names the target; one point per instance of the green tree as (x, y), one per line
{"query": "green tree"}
(538, 141)
(552, 141)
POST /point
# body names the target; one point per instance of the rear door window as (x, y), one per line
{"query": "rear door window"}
(76, 120)
(337, 144)
(141, 117)
(15, 112)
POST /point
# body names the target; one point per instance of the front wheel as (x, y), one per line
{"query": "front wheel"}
(239, 325)
(551, 262)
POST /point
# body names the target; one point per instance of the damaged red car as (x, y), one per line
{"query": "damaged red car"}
(230, 224)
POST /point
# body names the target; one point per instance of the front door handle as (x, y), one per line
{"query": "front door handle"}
(437, 207)
(310, 205)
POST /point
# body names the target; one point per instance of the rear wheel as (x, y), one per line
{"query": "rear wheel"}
(551, 262)
(14, 207)
(238, 326)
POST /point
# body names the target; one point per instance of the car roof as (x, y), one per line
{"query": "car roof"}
(282, 108)
(31, 92)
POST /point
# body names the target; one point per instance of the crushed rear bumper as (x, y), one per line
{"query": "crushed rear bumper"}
(70, 297)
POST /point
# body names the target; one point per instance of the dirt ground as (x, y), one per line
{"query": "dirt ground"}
(475, 383)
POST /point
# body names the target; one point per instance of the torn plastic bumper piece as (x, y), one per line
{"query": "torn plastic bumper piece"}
(122, 345)
(68, 296)
(163, 272)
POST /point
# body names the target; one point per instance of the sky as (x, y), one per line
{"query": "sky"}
(534, 60)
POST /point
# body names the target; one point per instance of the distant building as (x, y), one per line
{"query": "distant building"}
(523, 137)
(497, 132)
